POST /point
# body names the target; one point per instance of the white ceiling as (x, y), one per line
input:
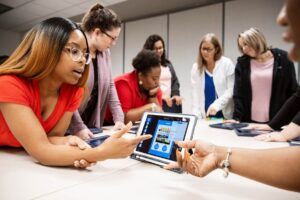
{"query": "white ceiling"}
(26, 13)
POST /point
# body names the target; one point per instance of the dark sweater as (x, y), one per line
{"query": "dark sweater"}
(289, 112)
(284, 84)
(174, 81)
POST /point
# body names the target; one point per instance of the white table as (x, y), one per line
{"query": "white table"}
(22, 178)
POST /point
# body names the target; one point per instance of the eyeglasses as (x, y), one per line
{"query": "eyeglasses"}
(77, 54)
(111, 37)
(208, 50)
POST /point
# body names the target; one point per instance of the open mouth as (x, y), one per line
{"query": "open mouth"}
(78, 72)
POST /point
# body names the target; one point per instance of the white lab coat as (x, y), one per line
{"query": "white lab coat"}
(223, 78)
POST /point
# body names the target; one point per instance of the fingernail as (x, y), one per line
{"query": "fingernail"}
(177, 152)
(188, 156)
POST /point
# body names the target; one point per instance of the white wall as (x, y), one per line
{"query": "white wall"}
(257, 13)
(136, 33)
(8, 41)
(117, 55)
(186, 30)
(182, 32)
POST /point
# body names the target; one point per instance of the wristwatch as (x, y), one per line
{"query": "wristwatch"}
(153, 107)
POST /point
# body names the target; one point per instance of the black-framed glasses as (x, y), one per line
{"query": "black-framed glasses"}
(76, 54)
(208, 50)
(111, 37)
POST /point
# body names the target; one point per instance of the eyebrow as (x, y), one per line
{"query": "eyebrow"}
(76, 45)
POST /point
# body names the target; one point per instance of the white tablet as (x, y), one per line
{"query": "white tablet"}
(165, 128)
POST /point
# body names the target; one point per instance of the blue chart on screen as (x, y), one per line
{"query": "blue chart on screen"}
(166, 133)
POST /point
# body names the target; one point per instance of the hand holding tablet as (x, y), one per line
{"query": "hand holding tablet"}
(165, 128)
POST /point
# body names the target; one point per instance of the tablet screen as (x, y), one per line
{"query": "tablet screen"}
(164, 130)
(94, 142)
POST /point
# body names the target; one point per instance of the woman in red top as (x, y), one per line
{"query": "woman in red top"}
(138, 90)
(40, 88)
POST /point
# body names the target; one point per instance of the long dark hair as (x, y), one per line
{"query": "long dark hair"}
(149, 44)
(39, 52)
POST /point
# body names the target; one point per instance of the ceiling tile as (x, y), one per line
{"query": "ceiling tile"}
(23, 15)
(111, 2)
(72, 11)
(29, 12)
(18, 17)
(36, 10)
(57, 14)
(14, 3)
(88, 4)
(53, 4)
(75, 2)
(24, 27)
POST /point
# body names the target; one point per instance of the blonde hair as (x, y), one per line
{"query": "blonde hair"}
(254, 39)
(212, 38)
(39, 52)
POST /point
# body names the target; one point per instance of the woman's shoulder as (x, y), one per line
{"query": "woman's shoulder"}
(195, 67)
(225, 64)
(103, 59)
(16, 86)
(195, 72)
(243, 58)
(226, 61)
(14, 79)
(126, 82)
(279, 52)
(242, 62)
(105, 53)
(10, 77)
(126, 77)
(168, 62)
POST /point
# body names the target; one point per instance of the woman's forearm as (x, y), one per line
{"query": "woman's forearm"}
(136, 114)
(65, 155)
(267, 166)
(58, 140)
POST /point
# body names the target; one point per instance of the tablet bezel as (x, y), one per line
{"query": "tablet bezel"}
(188, 136)
(229, 125)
